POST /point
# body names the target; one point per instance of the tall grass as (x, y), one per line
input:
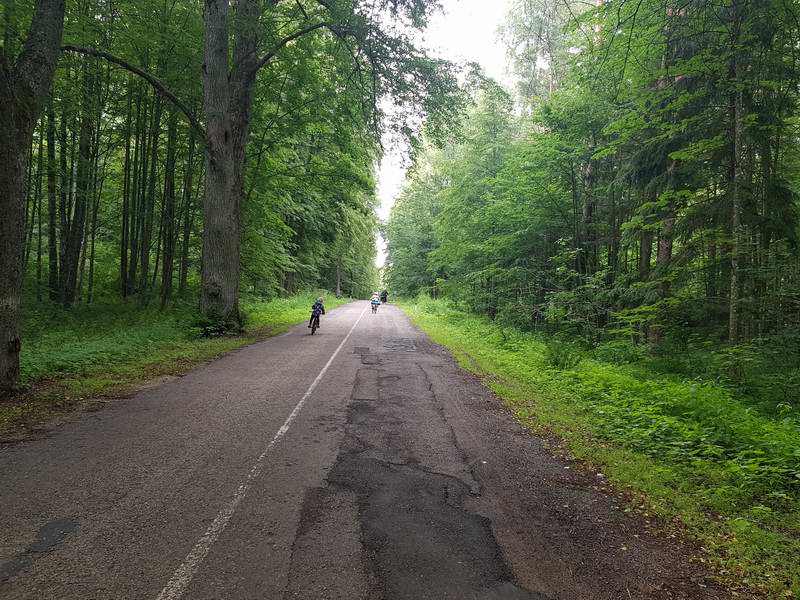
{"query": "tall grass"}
(92, 338)
(69, 355)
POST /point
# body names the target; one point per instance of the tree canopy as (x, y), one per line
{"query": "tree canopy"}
(642, 183)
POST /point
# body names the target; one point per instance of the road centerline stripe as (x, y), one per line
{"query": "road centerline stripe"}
(188, 569)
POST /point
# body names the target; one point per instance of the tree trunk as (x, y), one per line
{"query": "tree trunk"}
(168, 234)
(52, 228)
(30, 212)
(711, 281)
(38, 201)
(92, 241)
(82, 190)
(23, 90)
(645, 253)
(149, 207)
(126, 192)
(736, 173)
(188, 216)
(14, 148)
(589, 238)
(138, 153)
(63, 207)
(219, 297)
(665, 237)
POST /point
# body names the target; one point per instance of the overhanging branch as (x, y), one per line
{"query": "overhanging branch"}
(157, 84)
(283, 42)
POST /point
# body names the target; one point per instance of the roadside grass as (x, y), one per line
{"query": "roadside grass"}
(687, 453)
(77, 357)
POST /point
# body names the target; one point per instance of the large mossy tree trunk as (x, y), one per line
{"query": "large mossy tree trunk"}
(24, 86)
(228, 103)
(219, 297)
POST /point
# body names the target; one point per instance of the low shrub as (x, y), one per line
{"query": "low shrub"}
(562, 354)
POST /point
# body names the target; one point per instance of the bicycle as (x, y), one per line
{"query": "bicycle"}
(314, 324)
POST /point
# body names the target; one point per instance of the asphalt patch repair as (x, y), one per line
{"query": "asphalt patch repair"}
(417, 539)
(447, 497)
(49, 537)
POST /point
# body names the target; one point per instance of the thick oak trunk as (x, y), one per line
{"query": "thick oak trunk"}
(23, 91)
(228, 100)
(219, 297)
(14, 148)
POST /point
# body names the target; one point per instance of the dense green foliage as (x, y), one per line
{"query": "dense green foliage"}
(635, 201)
(693, 448)
(649, 189)
(645, 202)
(117, 173)
(203, 151)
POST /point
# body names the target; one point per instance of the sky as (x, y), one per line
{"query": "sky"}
(466, 31)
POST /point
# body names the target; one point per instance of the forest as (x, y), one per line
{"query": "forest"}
(169, 153)
(642, 179)
(614, 244)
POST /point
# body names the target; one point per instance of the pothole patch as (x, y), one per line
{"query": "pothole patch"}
(400, 345)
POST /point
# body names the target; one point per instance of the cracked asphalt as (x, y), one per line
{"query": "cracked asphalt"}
(360, 463)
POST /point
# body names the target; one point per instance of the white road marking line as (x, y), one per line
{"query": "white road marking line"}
(188, 569)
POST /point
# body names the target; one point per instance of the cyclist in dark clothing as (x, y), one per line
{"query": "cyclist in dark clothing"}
(384, 296)
(316, 310)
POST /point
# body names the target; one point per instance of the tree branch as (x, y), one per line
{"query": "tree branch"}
(283, 42)
(157, 84)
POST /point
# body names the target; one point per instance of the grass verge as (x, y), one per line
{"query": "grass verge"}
(688, 453)
(76, 358)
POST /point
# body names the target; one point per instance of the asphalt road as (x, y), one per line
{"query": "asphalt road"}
(360, 463)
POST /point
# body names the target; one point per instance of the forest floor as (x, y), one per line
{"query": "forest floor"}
(358, 464)
(687, 453)
(82, 358)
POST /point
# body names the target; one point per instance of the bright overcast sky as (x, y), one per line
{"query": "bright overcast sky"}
(467, 31)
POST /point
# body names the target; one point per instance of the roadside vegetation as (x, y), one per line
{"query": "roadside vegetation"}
(105, 350)
(686, 443)
(615, 245)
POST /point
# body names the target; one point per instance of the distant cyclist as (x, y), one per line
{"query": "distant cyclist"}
(384, 296)
(316, 310)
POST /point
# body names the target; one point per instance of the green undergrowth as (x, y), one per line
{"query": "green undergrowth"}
(687, 452)
(70, 356)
